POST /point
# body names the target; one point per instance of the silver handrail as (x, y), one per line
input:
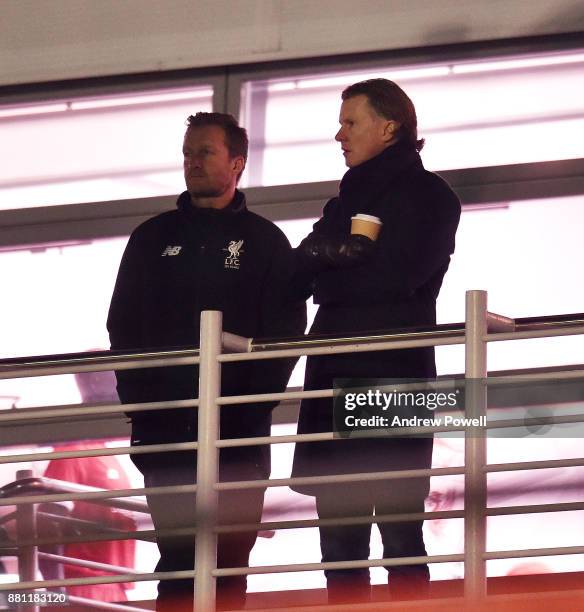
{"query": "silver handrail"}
(69, 363)
(109, 360)
(38, 485)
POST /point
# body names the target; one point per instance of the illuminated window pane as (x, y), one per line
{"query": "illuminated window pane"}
(60, 307)
(472, 114)
(91, 150)
(526, 255)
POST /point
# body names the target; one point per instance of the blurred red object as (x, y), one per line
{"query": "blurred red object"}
(102, 473)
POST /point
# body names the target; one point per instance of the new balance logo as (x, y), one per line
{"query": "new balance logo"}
(171, 250)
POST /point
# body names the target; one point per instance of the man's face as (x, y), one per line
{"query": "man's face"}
(363, 133)
(208, 167)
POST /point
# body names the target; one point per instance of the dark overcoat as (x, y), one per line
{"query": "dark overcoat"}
(396, 287)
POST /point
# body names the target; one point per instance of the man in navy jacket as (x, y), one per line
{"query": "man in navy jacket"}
(211, 253)
(363, 286)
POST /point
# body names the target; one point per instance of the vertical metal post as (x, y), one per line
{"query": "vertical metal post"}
(475, 448)
(26, 516)
(207, 460)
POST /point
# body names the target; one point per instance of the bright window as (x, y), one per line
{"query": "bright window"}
(527, 255)
(59, 300)
(472, 114)
(91, 150)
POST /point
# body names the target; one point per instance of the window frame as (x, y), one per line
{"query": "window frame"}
(475, 186)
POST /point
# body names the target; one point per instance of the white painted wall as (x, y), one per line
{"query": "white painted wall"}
(47, 40)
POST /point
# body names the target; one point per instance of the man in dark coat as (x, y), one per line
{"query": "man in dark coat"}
(362, 286)
(209, 254)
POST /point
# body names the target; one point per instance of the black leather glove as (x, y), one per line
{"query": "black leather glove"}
(356, 249)
(319, 251)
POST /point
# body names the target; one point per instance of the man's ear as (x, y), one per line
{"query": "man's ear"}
(238, 164)
(390, 130)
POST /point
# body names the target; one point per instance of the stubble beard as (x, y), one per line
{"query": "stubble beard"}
(212, 189)
(209, 192)
(205, 191)
(202, 194)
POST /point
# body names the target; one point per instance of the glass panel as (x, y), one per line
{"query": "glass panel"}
(90, 150)
(466, 111)
(59, 297)
(526, 255)
(61, 306)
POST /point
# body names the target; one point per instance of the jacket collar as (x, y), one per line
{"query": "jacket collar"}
(236, 206)
(363, 186)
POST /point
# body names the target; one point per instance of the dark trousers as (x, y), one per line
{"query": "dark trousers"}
(351, 543)
(178, 552)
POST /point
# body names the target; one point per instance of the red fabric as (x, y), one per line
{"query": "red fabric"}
(102, 473)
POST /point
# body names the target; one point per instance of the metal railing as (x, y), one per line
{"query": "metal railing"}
(28, 528)
(480, 328)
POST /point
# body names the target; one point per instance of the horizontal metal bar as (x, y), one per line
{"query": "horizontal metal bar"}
(452, 333)
(258, 398)
(438, 336)
(288, 439)
(337, 479)
(388, 433)
(324, 436)
(82, 525)
(39, 584)
(535, 509)
(71, 410)
(52, 365)
(533, 465)
(45, 486)
(542, 420)
(100, 452)
(229, 400)
(534, 552)
(450, 330)
(360, 347)
(146, 535)
(497, 378)
(312, 567)
(354, 520)
(550, 321)
(537, 333)
(100, 495)
(114, 569)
